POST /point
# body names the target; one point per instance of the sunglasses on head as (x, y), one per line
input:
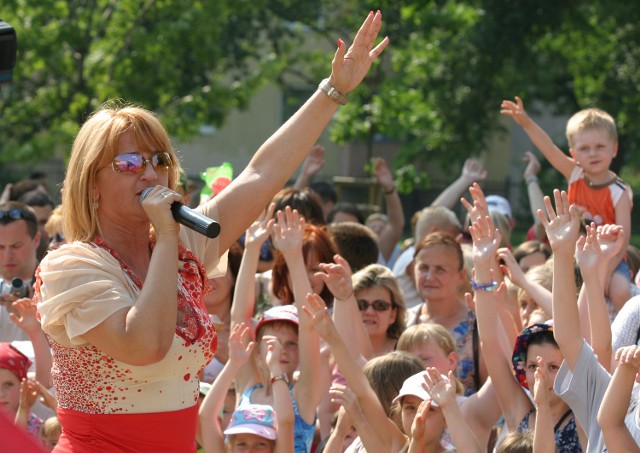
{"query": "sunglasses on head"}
(13, 214)
(377, 305)
(136, 163)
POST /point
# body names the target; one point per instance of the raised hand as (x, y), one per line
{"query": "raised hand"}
(588, 251)
(26, 315)
(337, 277)
(516, 111)
(486, 241)
(511, 268)
(383, 174)
(562, 224)
(611, 240)
(240, 344)
(479, 208)
(317, 311)
(472, 170)
(288, 232)
(314, 161)
(541, 385)
(533, 165)
(442, 389)
(260, 230)
(629, 355)
(274, 351)
(349, 66)
(341, 394)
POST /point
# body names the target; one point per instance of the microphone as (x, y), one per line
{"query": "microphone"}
(189, 217)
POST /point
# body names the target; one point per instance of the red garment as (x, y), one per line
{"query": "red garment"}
(170, 432)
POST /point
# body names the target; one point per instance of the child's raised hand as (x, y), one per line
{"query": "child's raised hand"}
(240, 344)
(317, 311)
(418, 428)
(337, 277)
(26, 317)
(486, 241)
(343, 395)
(562, 224)
(274, 351)
(629, 355)
(511, 268)
(260, 230)
(515, 110)
(541, 385)
(533, 165)
(288, 232)
(28, 394)
(441, 389)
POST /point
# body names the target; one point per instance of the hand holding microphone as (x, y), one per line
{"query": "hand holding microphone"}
(189, 217)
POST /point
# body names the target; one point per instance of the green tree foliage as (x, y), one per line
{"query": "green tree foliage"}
(192, 61)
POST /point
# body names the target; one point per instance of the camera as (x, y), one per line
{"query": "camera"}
(16, 288)
(8, 50)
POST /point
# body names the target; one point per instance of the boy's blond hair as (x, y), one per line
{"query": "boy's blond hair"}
(591, 119)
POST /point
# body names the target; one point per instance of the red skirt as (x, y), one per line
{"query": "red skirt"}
(153, 432)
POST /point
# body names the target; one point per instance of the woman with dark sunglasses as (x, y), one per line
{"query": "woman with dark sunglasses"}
(122, 301)
(381, 307)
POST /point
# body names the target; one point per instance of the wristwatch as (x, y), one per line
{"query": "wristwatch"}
(331, 91)
(282, 377)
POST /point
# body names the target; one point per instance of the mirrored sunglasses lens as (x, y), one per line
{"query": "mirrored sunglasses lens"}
(161, 161)
(128, 163)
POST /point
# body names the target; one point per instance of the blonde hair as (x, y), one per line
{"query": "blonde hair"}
(377, 275)
(93, 149)
(541, 274)
(54, 222)
(420, 335)
(589, 119)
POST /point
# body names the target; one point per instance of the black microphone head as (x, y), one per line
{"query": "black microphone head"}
(145, 193)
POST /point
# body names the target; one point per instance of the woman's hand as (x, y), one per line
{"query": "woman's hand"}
(349, 66)
(157, 205)
(337, 277)
(588, 252)
(562, 224)
(260, 230)
(486, 241)
(479, 209)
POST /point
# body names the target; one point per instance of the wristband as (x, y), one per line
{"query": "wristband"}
(389, 192)
(531, 179)
(332, 92)
(484, 286)
(283, 377)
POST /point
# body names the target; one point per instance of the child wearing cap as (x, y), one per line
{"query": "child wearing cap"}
(252, 426)
(291, 329)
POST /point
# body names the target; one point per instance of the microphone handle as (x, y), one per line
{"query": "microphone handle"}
(194, 220)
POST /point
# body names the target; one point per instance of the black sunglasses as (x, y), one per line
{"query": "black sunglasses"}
(377, 305)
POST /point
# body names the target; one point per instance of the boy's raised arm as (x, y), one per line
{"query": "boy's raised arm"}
(560, 161)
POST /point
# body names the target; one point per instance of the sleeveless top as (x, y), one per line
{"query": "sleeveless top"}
(303, 432)
(567, 440)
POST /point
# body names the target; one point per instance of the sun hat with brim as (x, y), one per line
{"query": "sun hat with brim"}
(519, 357)
(287, 313)
(258, 419)
(413, 386)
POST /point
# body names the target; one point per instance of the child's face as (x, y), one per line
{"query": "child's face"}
(288, 338)
(227, 409)
(434, 423)
(432, 355)
(594, 150)
(9, 391)
(527, 307)
(551, 356)
(533, 259)
(245, 443)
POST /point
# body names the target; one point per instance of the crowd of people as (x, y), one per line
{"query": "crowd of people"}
(306, 325)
